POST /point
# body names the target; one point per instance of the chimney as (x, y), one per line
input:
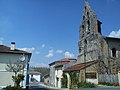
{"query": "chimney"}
(12, 47)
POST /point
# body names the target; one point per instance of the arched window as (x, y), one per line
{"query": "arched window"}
(83, 17)
(88, 14)
(88, 22)
(83, 27)
(85, 46)
(85, 8)
(113, 52)
(85, 42)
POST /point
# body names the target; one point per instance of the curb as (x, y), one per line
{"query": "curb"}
(103, 86)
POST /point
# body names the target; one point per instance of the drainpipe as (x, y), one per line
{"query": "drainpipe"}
(27, 76)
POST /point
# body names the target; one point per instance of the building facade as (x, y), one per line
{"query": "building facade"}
(46, 79)
(56, 71)
(34, 76)
(11, 55)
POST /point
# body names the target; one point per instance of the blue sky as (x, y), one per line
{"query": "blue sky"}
(50, 28)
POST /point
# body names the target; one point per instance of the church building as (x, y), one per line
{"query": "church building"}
(99, 55)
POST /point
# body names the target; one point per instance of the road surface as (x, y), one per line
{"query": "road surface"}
(40, 86)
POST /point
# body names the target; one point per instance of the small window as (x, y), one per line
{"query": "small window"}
(88, 22)
(85, 7)
(83, 17)
(83, 27)
(113, 52)
(79, 50)
(85, 41)
(91, 75)
(88, 14)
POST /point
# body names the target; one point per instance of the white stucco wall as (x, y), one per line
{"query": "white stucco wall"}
(58, 74)
(37, 77)
(52, 76)
(6, 76)
(95, 81)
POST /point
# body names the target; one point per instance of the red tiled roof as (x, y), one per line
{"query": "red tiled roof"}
(33, 72)
(64, 60)
(80, 66)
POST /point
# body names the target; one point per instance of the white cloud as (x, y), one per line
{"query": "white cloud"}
(115, 34)
(28, 49)
(68, 54)
(43, 45)
(50, 53)
(59, 51)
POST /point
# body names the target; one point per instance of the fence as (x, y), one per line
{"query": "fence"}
(112, 78)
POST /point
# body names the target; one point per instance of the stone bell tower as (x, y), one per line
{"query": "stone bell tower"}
(90, 32)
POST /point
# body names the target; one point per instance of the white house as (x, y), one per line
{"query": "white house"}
(12, 55)
(56, 71)
(35, 76)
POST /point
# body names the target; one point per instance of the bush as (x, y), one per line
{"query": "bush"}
(64, 81)
(74, 79)
(12, 88)
(86, 85)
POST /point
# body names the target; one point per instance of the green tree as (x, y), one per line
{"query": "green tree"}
(64, 81)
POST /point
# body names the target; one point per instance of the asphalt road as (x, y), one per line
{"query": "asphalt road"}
(37, 86)
(41, 88)
(44, 88)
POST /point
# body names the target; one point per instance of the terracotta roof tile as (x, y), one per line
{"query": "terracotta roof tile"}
(33, 72)
(79, 66)
(64, 60)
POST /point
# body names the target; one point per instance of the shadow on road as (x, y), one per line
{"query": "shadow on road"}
(40, 88)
